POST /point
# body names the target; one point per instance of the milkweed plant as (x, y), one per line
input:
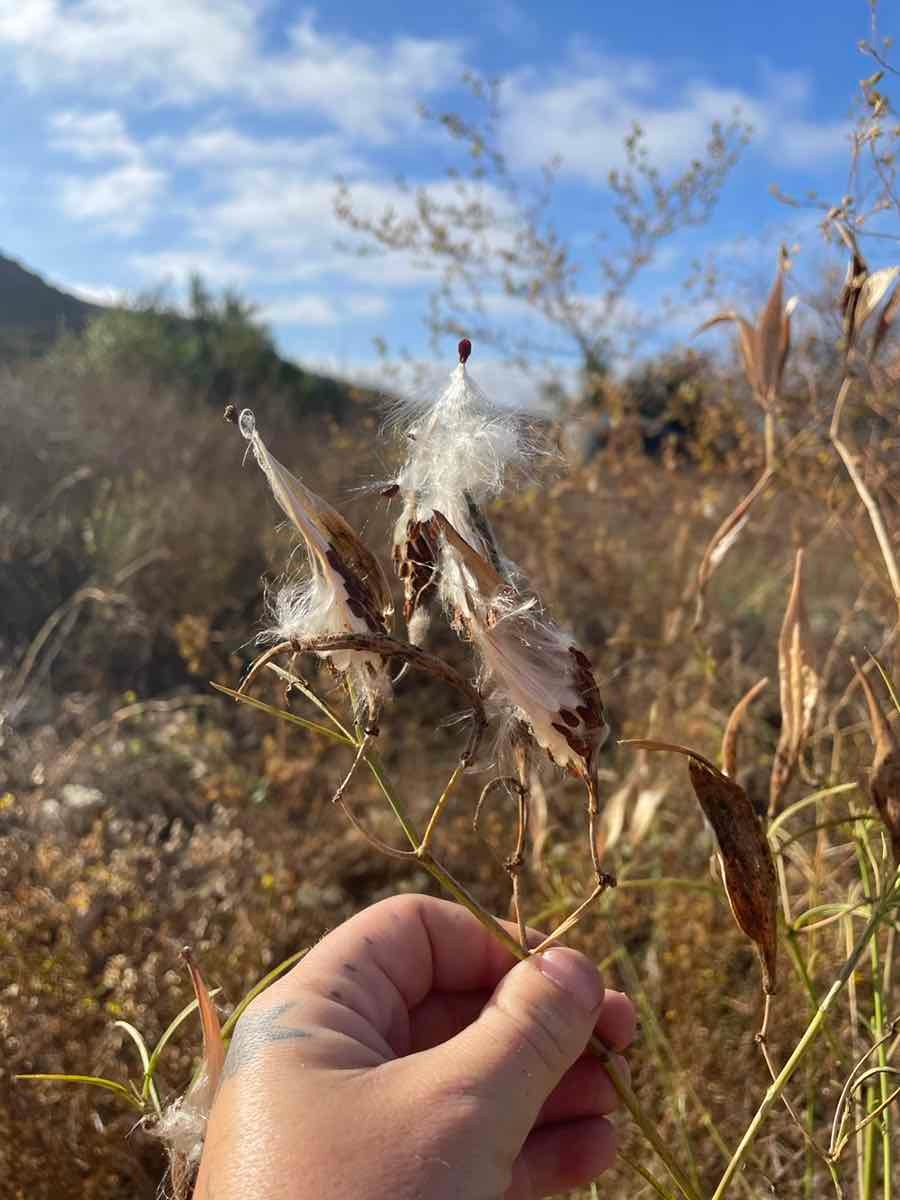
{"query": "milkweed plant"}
(536, 690)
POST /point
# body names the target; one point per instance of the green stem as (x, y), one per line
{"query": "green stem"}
(773, 1093)
(490, 923)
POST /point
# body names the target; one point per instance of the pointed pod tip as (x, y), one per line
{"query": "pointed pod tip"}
(465, 349)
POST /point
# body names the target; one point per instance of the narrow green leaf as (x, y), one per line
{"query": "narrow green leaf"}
(283, 714)
(109, 1085)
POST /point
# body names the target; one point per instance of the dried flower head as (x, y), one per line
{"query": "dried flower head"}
(345, 590)
(460, 449)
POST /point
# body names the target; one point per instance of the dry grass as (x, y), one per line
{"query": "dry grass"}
(215, 826)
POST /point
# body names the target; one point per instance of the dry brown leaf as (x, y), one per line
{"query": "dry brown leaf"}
(213, 1043)
(885, 779)
(733, 728)
(723, 540)
(743, 851)
(799, 686)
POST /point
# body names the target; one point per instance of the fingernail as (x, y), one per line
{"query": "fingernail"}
(573, 973)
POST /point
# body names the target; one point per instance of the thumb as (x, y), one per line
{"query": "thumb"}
(536, 1025)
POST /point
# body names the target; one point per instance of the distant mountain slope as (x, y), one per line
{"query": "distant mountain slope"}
(33, 312)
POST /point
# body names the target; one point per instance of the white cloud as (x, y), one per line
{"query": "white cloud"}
(97, 293)
(92, 135)
(171, 49)
(185, 51)
(313, 308)
(585, 109)
(175, 266)
(120, 200)
(363, 88)
(224, 146)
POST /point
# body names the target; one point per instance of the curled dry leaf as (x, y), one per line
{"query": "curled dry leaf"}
(799, 687)
(182, 1126)
(743, 851)
(723, 540)
(885, 779)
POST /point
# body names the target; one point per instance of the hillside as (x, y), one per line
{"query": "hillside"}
(33, 312)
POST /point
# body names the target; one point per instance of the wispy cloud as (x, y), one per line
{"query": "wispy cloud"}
(119, 201)
(582, 112)
(186, 51)
(92, 135)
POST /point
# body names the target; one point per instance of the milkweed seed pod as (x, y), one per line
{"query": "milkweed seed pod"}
(884, 783)
(534, 670)
(460, 449)
(742, 848)
(799, 686)
(345, 589)
(765, 345)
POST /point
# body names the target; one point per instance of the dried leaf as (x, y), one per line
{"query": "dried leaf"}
(889, 314)
(885, 779)
(723, 540)
(799, 687)
(732, 729)
(872, 292)
(743, 851)
(213, 1043)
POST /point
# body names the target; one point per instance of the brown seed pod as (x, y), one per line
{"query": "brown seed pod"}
(799, 685)
(743, 851)
(885, 779)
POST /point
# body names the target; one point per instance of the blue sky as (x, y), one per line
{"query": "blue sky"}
(146, 139)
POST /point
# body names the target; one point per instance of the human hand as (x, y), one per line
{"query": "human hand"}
(409, 1056)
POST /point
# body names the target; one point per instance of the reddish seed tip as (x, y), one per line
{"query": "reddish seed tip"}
(465, 349)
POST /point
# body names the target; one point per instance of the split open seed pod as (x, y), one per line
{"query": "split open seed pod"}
(765, 345)
(345, 591)
(743, 851)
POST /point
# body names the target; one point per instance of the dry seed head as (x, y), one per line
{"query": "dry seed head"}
(345, 590)
(885, 779)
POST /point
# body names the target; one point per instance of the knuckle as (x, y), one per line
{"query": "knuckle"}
(541, 1030)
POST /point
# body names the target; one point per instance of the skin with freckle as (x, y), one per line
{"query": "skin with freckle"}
(439, 1068)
